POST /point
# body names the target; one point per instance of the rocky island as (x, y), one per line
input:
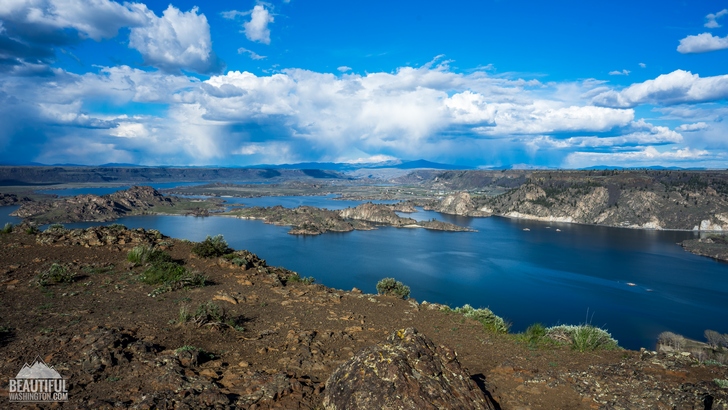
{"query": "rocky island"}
(308, 220)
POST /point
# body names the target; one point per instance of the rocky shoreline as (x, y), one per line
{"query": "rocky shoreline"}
(308, 220)
(714, 246)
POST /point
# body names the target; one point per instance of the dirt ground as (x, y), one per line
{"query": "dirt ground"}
(119, 347)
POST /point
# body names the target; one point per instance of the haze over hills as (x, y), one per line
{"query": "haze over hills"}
(401, 164)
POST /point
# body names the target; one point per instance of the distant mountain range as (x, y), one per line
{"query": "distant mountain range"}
(350, 166)
(330, 166)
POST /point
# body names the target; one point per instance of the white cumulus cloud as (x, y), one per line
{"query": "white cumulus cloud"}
(177, 40)
(616, 72)
(300, 115)
(676, 87)
(344, 69)
(643, 157)
(257, 28)
(702, 43)
(698, 126)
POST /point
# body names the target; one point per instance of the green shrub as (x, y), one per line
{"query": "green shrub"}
(138, 255)
(535, 334)
(32, 230)
(187, 280)
(239, 262)
(57, 273)
(209, 314)
(490, 320)
(723, 384)
(158, 256)
(296, 278)
(583, 337)
(162, 272)
(8, 228)
(211, 247)
(390, 286)
(56, 228)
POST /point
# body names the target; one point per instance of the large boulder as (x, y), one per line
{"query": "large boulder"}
(406, 372)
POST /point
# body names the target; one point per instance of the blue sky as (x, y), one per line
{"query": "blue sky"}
(481, 83)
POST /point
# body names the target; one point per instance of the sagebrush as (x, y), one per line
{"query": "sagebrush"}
(390, 286)
(211, 247)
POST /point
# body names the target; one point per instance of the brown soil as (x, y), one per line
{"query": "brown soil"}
(118, 347)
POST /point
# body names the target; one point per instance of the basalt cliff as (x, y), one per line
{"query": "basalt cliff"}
(685, 200)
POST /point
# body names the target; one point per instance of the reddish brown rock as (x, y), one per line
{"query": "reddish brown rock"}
(406, 372)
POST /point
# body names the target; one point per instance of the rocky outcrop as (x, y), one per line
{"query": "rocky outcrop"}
(99, 236)
(714, 246)
(136, 199)
(376, 213)
(406, 372)
(460, 204)
(12, 199)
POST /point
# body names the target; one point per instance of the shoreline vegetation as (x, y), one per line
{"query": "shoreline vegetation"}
(225, 328)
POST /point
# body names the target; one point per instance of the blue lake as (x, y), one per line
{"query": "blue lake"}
(326, 201)
(112, 189)
(532, 276)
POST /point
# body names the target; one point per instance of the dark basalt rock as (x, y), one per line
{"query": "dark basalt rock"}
(406, 372)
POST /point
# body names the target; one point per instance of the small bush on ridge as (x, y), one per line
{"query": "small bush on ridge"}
(139, 255)
(56, 228)
(298, 278)
(583, 337)
(209, 314)
(57, 273)
(8, 228)
(211, 247)
(485, 316)
(390, 286)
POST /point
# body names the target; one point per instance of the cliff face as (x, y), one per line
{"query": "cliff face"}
(93, 207)
(621, 200)
(460, 204)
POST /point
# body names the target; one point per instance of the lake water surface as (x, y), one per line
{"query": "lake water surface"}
(532, 276)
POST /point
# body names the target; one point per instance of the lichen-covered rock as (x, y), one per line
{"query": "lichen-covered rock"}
(406, 372)
(99, 236)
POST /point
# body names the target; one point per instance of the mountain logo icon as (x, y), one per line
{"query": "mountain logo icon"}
(38, 370)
